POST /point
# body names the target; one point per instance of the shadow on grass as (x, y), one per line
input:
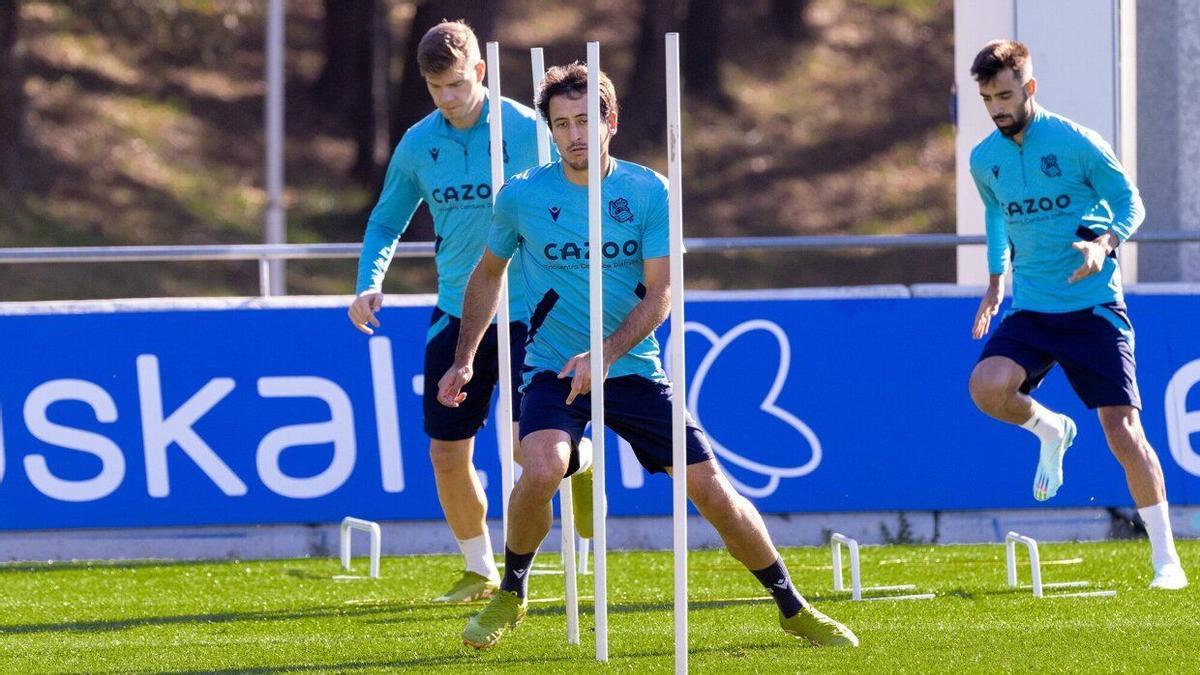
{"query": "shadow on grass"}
(469, 656)
(327, 611)
(305, 574)
(646, 607)
(399, 612)
(95, 565)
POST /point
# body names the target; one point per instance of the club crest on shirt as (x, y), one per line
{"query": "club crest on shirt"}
(996, 170)
(618, 209)
(504, 146)
(555, 212)
(434, 152)
(1050, 166)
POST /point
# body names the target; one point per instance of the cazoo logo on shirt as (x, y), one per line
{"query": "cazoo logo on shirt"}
(1028, 207)
(465, 192)
(569, 250)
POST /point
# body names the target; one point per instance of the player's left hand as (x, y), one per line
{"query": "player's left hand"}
(450, 387)
(581, 382)
(1094, 253)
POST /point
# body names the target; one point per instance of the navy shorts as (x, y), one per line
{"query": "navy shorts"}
(637, 409)
(455, 424)
(1094, 347)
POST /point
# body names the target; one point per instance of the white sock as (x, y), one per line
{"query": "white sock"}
(1046, 424)
(479, 556)
(1158, 526)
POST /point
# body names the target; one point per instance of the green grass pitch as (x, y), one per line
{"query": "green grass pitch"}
(294, 616)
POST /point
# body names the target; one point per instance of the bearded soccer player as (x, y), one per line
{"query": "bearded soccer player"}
(1058, 204)
(541, 218)
(445, 161)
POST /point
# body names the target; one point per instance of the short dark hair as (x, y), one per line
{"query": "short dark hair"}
(1000, 54)
(445, 46)
(571, 81)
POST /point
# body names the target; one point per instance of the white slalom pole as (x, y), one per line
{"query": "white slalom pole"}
(596, 315)
(273, 274)
(503, 347)
(565, 496)
(679, 380)
(543, 131)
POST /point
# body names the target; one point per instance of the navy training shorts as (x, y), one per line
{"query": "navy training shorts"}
(636, 408)
(1094, 347)
(455, 424)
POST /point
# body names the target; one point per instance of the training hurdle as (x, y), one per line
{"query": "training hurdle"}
(836, 541)
(1035, 571)
(371, 528)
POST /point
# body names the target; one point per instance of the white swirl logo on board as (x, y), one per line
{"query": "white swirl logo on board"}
(1181, 422)
(769, 405)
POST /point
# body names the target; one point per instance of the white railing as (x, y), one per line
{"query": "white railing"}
(265, 253)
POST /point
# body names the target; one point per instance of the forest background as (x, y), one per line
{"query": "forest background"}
(141, 122)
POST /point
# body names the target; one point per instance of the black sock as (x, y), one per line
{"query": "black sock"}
(516, 572)
(776, 580)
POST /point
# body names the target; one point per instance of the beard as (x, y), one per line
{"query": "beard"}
(1018, 122)
(577, 165)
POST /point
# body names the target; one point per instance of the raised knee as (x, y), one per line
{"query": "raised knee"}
(987, 393)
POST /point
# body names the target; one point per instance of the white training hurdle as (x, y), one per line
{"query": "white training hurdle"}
(836, 541)
(1035, 571)
(372, 529)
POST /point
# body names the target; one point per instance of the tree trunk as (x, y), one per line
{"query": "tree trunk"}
(346, 33)
(646, 122)
(381, 84)
(412, 98)
(788, 18)
(345, 85)
(702, 56)
(12, 101)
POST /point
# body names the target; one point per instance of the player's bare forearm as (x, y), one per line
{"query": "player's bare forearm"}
(646, 315)
(481, 300)
(989, 306)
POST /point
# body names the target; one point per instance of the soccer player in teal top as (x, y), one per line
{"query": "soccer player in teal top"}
(1057, 207)
(541, 218)
(445, 160)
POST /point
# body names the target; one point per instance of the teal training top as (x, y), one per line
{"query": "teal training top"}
(1062, 185)
(450, 169)
(541, 217)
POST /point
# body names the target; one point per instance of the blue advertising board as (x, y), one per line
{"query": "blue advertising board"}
(285, 414)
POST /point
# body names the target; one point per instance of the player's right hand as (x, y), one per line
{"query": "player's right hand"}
(989, 306)
(450, 387)
(362, 311)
